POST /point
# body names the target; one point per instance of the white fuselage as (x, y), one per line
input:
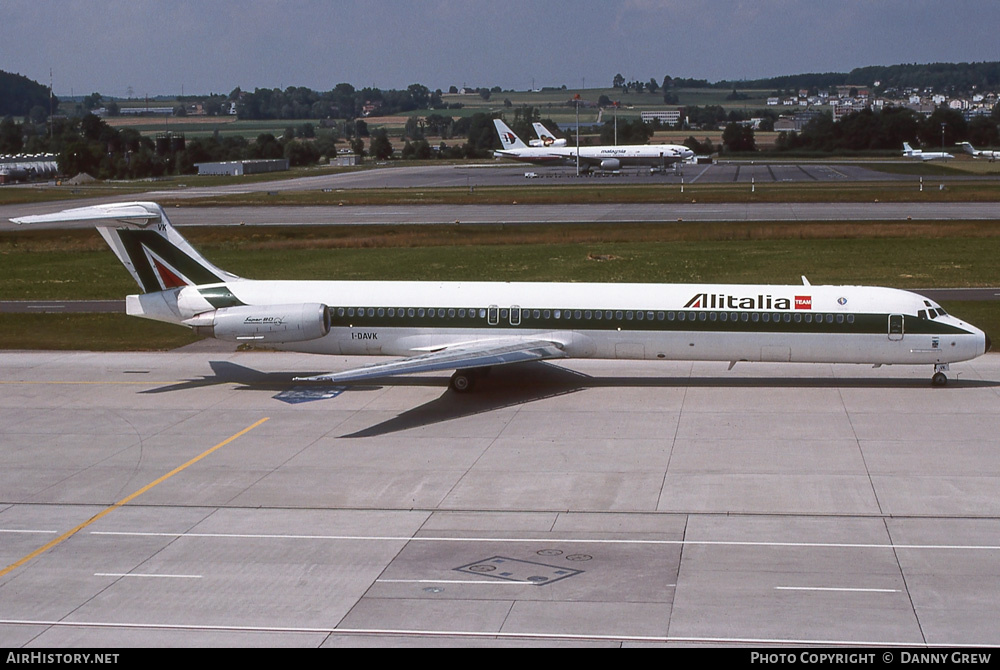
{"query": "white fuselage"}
(652, 155)
(729, 322)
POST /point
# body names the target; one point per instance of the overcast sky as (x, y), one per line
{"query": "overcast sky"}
(203, 46)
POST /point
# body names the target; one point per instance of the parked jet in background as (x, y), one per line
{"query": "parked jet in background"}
(606, 157)
(545, 137)
(910, 152)
(980, 153)
(470, 326)
(516, 149)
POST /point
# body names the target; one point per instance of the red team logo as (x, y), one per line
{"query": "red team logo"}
(803, 302)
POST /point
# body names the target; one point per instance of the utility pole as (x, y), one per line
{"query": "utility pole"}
(616, 123)
(577, 97)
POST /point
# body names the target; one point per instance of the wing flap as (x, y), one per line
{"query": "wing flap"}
(495, 352)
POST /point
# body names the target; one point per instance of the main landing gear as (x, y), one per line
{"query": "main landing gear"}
(940, 378)
(463, 381)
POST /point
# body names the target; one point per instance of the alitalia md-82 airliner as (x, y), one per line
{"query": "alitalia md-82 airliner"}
(469, 327)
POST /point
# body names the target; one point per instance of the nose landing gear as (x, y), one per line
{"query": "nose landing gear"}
(940, 378)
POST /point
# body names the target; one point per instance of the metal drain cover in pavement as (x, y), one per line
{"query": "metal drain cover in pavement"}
(516, 570)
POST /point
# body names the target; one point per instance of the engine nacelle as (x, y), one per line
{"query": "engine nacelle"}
(611, 164)
(265, 323)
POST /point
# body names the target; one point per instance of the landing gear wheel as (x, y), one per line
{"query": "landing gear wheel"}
(939, 379)
(462, 381)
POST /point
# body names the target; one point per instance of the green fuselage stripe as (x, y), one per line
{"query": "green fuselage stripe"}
(134, 240)
(694, 320)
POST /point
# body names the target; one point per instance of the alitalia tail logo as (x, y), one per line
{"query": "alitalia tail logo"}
(723, 301)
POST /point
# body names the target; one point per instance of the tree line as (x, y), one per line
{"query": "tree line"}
(20, 96)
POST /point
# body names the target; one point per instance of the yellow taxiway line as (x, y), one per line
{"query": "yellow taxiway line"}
(124, 501)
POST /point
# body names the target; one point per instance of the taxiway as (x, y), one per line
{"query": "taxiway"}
(202, 499)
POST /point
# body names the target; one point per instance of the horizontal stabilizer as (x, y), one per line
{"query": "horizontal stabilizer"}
(157, 256)
(129, 211)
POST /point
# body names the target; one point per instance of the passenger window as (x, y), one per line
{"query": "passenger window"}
(840, 318)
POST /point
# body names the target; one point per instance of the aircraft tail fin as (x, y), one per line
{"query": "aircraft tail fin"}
(546, 137)
(968, 148)
(155, 254)
(508, 139)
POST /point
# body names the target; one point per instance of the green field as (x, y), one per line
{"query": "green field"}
(75, 264)
(553, 104)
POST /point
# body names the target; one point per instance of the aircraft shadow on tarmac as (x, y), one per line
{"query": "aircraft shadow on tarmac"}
(511, 386)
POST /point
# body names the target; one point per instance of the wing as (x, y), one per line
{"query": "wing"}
(474, 355)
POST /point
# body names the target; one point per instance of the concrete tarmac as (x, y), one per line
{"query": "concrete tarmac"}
(203, 499)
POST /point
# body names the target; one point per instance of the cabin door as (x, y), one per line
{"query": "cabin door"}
(895, 327)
